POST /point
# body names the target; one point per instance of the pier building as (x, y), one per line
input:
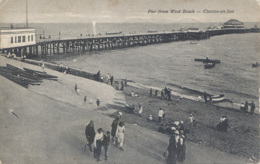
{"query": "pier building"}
(18, 37)
(233, 23)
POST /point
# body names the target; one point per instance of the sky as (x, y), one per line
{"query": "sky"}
(127, 11)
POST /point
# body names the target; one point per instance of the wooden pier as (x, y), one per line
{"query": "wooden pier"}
(107, 42)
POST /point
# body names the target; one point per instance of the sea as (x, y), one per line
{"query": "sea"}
(171, 64)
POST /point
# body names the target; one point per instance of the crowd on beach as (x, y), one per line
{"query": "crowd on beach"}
(110, 80)
(176, 150)
(100, 139)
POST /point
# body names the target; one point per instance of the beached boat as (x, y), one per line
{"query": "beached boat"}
(207, 60)
(7, 74)
(40, 74)
(218, 98)
(33, 71)
(209, 65)
(20, 72)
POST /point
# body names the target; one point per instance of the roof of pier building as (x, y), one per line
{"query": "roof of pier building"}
(233, 23)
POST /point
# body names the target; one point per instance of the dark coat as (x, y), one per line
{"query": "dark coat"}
(181, 150)
(106, 140)
(90, 133)
(114, 127)
(172, 149)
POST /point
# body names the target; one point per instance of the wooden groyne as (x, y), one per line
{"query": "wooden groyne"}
(107, 42)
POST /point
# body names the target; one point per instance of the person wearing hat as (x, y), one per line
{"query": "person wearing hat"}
(120, 134)
(98, 144)
(90, 133)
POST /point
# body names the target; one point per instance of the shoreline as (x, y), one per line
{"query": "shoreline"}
(184, 92)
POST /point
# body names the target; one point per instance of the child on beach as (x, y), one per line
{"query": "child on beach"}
(191, 120)
(85, 99)
(98, 102)
(106, 140)
(78, 90)
(140, 111)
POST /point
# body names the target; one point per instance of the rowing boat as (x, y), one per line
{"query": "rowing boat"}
(207, 60)
(40, 74)
(217, 98)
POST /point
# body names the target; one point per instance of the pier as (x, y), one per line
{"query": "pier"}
(46, 47)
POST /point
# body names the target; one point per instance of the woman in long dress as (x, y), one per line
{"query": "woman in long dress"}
(120, 134)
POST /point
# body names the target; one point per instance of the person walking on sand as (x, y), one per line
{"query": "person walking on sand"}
(160, 115)
(76, 87)
(120, 134)
(90, 134)
(98, 144)
(171, 150)
(108, 78)
(191, 120)
(112, 79)
(98, 102)
(106, 141)
(151, 92)
(252, 109)
(114, 127)
(78, 91)
(85, 99)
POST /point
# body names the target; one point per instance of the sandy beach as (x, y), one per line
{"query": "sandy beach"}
(51, 118)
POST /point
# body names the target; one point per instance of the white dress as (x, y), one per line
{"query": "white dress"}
(120, 133)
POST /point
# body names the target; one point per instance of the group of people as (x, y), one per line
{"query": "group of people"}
(77, 90)
(245, 107)
(110, 79)
(101, 139)
(165, 93)
(176, 150)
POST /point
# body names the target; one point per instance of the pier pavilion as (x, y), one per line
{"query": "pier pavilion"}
(233, 23)
(17, 39)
